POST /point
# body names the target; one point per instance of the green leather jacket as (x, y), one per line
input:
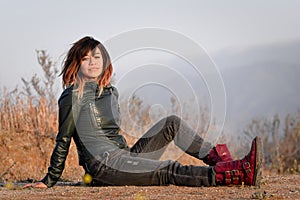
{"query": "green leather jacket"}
(92, 121)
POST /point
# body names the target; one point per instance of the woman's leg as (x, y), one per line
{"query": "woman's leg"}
(125, 169)
(169, 129)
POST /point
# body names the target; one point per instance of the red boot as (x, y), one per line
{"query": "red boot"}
(247, 170)
(217, 154)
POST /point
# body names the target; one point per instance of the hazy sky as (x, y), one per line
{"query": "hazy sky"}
(254, 43)
(216, 25)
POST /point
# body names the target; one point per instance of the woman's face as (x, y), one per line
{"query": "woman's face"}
(91, 65)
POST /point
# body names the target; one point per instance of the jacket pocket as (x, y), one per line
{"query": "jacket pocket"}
(94, 113)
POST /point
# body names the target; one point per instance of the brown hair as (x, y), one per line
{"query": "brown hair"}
(73, 59)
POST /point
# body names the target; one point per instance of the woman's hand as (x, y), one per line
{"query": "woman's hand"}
(36, 185)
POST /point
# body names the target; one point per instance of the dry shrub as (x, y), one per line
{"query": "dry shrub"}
(289, 144)
(281, 144)
(27, 114)
(28, 127)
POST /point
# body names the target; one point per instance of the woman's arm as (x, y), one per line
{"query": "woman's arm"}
(63, 140)
(61, 149)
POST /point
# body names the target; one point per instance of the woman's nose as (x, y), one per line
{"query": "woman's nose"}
(92, 61)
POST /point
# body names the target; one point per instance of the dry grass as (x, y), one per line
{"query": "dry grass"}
(281, 144)
(21, 113)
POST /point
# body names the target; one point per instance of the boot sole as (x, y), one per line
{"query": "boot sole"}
(258, 162)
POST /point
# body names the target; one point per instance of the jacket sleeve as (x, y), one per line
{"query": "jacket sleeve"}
(63, 140)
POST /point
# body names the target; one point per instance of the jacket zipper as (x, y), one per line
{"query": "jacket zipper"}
(93, 116)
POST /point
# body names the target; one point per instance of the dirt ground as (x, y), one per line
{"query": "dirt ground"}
(272, 187)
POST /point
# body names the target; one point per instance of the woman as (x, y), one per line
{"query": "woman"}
(89, 113)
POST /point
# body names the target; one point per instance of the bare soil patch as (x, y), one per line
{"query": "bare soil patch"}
(273, 187)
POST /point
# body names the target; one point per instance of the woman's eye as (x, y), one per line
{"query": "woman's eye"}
(85, 58)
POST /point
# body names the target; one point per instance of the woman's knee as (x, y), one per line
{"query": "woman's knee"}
(173, 122)
(172, 119)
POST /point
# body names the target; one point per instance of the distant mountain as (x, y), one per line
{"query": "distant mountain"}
(281, 52)
(260, 81)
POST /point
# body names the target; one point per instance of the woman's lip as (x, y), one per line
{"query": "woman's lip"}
(94, 68)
